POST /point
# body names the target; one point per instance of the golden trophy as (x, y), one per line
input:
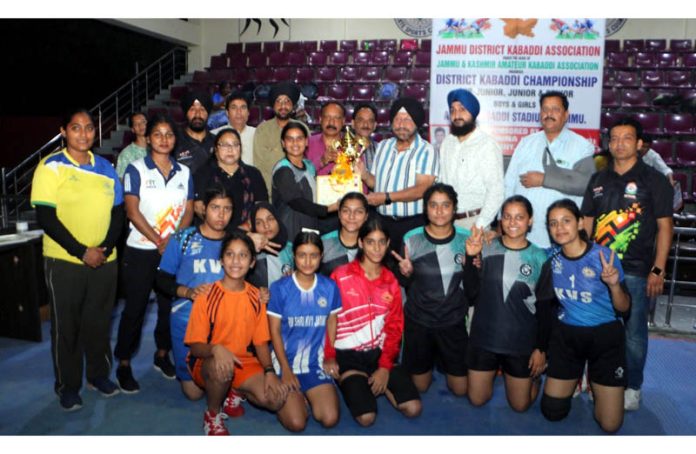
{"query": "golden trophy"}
(343, 178)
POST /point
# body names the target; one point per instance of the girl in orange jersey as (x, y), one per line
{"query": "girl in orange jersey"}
(223, 323)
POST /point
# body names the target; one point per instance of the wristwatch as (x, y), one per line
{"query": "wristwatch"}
(387, 199)
(657, 271)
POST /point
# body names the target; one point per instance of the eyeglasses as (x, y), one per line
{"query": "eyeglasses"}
(229, 146)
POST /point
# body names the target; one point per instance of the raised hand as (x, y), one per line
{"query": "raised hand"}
(333, 207)
(329, 156)
(610, 275)
(376, 199)
(405, 264)
(474, 244)
(361, 169)
(261, 243)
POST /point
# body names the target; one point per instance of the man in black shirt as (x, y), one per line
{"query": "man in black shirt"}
(629, 204)
(195, 145)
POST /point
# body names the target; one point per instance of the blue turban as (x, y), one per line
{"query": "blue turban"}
(467, 99)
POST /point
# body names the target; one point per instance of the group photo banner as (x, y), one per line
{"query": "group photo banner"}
(509, 63)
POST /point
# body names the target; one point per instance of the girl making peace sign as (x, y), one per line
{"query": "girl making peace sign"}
(512, 320)
(589, 283)
(436, 305)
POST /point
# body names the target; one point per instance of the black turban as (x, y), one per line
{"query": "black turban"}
(289, 89)
(189, 98)
(412, 106)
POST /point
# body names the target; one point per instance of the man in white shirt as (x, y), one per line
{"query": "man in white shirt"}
(472, 162)
(237, 107)
(549, 165)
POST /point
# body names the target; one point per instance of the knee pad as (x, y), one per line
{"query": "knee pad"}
(358, 396)
(554, 408)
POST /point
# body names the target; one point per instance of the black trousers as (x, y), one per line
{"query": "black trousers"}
(139, 273)
(398, 227)
(81, 300)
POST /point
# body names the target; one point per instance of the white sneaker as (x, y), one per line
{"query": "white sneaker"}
(631, 399)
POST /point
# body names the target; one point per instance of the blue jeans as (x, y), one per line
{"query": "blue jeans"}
(637, 330)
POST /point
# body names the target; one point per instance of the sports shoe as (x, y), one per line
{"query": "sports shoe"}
(70, 400)
(213, 424)
(232, 406)
(165, 366)
(631, 399)
(126, 382)
(106, 387)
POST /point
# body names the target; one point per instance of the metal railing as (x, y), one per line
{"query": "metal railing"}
(15, 183)
(679, 246)
(135, 93)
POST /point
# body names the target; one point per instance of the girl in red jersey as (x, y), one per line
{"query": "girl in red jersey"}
(361, 351)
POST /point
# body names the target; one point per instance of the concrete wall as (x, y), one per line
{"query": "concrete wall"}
(657, 28)
(187, 33)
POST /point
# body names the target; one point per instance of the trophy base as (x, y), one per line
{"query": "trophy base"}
(328, 192)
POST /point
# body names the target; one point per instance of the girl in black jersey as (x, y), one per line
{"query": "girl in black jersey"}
(436, 306)
(341, 246)
(511, 322)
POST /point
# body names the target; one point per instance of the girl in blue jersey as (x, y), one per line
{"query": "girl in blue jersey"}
(512, 320)
(341, 246)
(302, 306)
(270, 266)
(189, 266)
(588, 283)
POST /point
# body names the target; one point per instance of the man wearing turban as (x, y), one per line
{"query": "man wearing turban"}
(195, 145)
(404, 167)
(267, 148)
(472, 162)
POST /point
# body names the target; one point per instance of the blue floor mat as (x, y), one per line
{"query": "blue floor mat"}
(29, 406)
